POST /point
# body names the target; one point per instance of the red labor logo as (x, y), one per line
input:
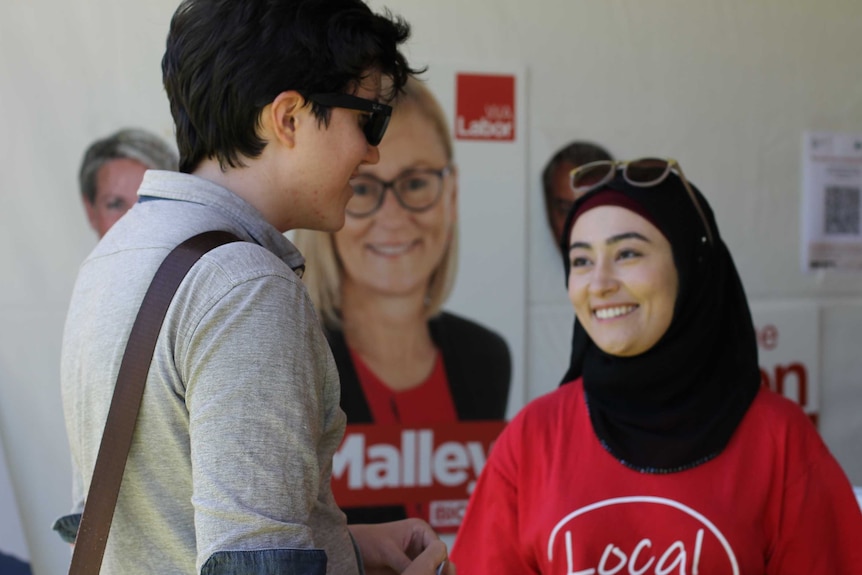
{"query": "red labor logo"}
(485, 107)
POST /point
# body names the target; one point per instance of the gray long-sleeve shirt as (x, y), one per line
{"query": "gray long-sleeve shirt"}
(231, 459)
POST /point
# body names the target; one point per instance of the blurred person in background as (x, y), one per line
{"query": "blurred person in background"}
(112, 169)
(555, 180)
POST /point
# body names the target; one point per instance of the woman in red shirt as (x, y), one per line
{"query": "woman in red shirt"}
(661, 453)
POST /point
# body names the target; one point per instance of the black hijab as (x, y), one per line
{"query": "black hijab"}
(676, 405)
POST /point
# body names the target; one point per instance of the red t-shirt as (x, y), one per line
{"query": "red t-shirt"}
(430, 402)
(552, 501)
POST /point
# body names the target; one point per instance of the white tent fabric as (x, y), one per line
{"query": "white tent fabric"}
(728, 87)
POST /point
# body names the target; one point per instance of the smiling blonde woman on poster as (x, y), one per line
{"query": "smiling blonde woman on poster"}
(661, 453)
(381, 281)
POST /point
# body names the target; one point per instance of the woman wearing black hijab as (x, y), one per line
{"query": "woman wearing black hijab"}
(661, 453)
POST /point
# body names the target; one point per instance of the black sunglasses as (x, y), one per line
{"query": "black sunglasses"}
(378, 114)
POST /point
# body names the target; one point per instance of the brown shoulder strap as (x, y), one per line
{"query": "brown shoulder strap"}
(120, 425)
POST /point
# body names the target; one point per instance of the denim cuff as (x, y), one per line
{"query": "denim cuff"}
(267, 562)
(257, 562)
(67, 527)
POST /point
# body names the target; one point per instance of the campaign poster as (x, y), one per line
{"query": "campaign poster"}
(430, 470)
(788, 346)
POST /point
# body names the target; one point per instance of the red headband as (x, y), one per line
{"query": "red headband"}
(611, 197)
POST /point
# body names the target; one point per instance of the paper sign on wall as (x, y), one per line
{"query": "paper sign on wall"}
(832, 188)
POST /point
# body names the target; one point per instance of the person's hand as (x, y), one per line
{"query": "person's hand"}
(407, 547)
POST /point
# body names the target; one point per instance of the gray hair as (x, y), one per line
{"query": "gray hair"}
(129, 143)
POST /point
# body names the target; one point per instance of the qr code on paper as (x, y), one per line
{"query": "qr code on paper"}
(842, 210)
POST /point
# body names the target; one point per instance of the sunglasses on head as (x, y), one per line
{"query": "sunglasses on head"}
(642, 173)
(377, 114)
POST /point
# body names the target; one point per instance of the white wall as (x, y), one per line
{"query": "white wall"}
(725, 86)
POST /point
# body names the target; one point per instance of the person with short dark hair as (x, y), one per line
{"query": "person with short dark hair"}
(555, 179)
(112, 169)
(276, 104)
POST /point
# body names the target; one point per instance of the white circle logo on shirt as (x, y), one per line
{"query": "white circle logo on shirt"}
(626, 556)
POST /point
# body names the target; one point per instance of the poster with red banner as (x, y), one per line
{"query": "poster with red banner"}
(431, 469)
(788, 347)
